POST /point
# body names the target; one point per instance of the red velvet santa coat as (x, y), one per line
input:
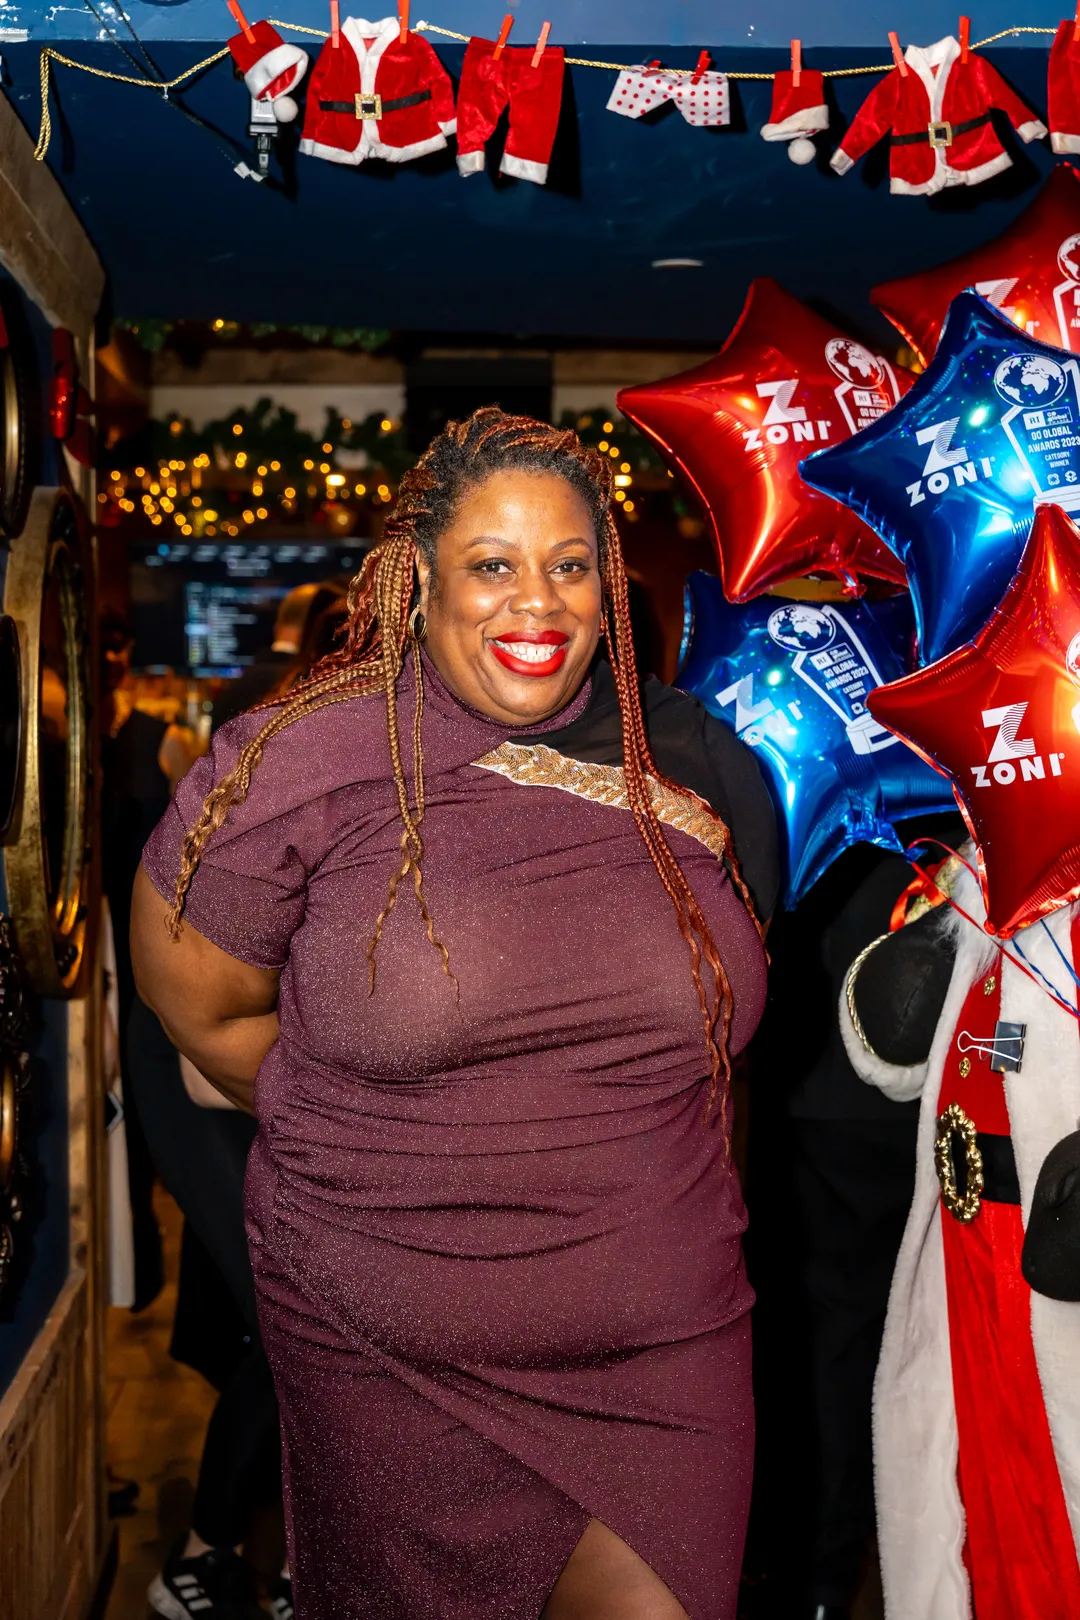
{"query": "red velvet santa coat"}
(333, 125)
(940, 90)
(920, 1513)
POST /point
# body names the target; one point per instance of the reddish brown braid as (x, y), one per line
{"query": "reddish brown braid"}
(374, 649)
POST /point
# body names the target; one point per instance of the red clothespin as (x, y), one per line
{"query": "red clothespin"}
(541, 44)
(702, 64)
(335, 24)
(796, 62)
(504, 35)
(965, 38)
(403, 19)
(241, 21)
(651, 67)
(898, 56)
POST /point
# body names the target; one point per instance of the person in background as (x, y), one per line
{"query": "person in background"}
(297, 612)
(325, 630)
(142, 759)
(832, 1170)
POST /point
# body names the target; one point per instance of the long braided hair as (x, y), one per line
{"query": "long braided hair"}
(378, 639)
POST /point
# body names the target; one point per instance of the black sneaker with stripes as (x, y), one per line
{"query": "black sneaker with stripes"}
(215, 1585)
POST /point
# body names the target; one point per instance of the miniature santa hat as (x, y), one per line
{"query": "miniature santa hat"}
(1063, 90)
(270, 68)
(798, 108)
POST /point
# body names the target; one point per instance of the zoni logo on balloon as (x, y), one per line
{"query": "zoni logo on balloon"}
(1013, 758)
(946, 464)
(862, 395)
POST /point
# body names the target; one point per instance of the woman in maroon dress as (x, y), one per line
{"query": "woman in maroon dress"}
(492, 1213)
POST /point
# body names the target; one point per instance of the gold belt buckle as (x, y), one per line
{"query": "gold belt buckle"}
(955, 1123)
(940, 133)
(369, 106)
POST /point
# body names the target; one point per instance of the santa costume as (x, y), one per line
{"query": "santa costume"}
(1063, 90)
(704, 99)
(937, 115)
(370, 96)
(271, 69)
(798, 111)
(534, 95)
(977, 1396)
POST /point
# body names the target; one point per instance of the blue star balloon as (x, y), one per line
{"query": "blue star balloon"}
(791, 679)
(950, 477)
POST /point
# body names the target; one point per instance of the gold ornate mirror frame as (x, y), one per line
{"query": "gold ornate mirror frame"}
(15, 448)
(47, 856)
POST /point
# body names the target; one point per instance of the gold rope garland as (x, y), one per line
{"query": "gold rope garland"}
(50, 55)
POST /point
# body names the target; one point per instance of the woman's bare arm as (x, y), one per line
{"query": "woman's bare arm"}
(221, 1013)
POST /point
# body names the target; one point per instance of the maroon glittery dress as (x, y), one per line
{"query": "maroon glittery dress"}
(497, 1249)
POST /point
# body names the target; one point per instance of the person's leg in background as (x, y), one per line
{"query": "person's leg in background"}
(201, 1155)
(853, 1182)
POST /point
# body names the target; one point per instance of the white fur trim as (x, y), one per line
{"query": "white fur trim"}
(1033, 130)
(389, 154)
(920, 1515)
(840, 162)
(261, 75)
(1064, 144)
(811, 121)
(470, 162)
(523, 168)
(899, 1082)
(332, 154)
(945, 176)
(450, 127)
(404, 154)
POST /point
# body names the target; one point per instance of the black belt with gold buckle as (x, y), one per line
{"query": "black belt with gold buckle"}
(980, 1163)
(375, 106)
(941, 132)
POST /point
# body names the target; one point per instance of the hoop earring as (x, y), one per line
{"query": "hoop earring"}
(417, 625)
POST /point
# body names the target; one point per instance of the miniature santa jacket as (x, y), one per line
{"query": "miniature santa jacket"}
(372, 96)
(1063, 90)
(938, 116)
(921, 1520)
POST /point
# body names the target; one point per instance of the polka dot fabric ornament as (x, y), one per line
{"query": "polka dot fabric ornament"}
(703, 97)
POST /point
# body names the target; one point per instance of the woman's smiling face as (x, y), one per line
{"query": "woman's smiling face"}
(514, 603)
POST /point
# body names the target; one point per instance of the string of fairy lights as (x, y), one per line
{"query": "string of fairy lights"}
(257, 469)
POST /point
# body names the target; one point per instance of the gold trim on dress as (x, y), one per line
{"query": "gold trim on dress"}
(536, 765)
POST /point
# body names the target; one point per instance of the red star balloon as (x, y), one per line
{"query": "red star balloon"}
(1031, 272)
(786, 382)
(1001, 717)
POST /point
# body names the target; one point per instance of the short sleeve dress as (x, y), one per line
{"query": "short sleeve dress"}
(496, 1241)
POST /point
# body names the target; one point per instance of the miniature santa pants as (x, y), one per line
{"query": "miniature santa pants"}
(1020, 1554)
(534, 94)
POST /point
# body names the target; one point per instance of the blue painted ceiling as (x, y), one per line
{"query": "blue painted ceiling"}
(420, 248)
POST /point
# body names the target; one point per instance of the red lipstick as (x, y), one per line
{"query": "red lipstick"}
(515, 651)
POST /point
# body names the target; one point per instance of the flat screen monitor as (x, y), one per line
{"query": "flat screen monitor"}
(208, 609)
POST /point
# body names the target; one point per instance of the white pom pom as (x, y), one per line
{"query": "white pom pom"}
(801, 150)
(285, 109)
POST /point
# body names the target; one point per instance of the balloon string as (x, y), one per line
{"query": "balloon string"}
(1032, 972)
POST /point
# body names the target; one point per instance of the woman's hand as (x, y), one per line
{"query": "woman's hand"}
(220, 1013)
